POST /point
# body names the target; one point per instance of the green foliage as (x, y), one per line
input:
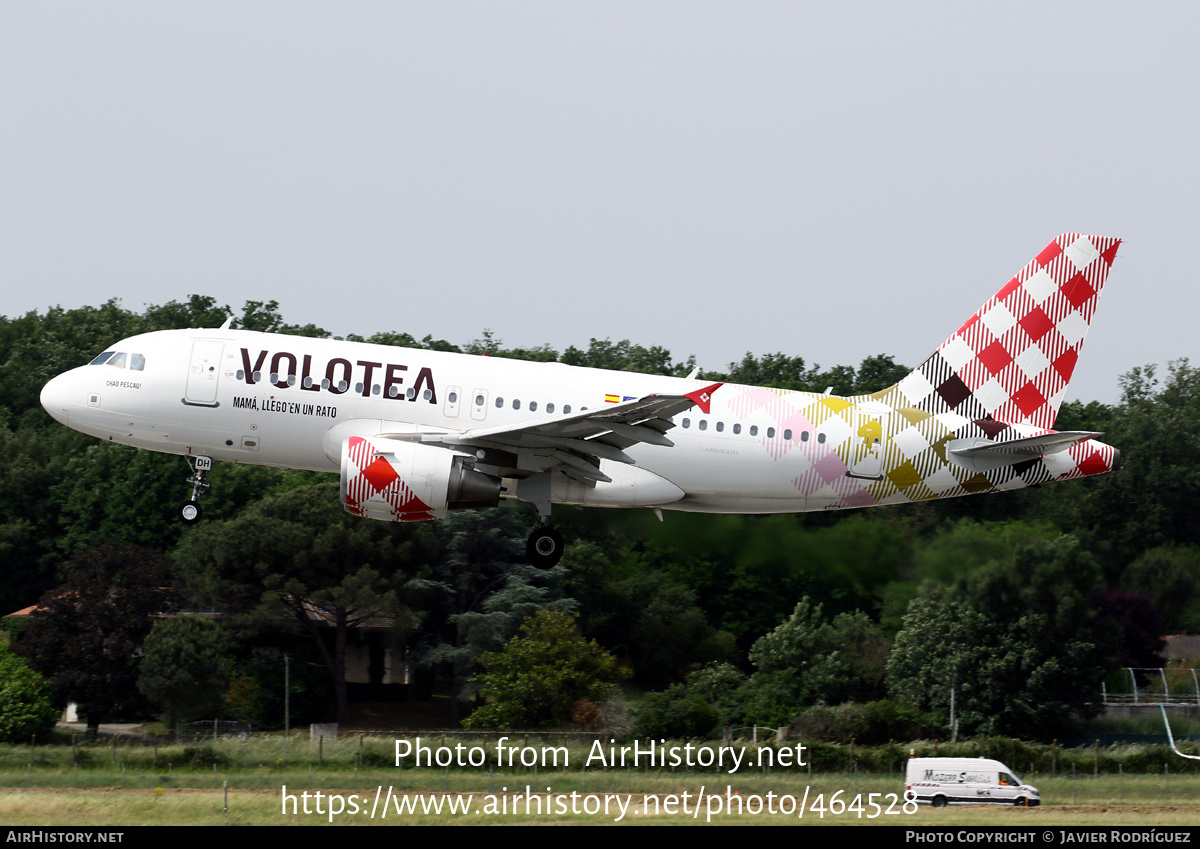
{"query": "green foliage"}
(787, 372)
(748, 571)
(1017, 641)
(25, 705)
(245, 701)
(87, 634)
(325, 570)
(710, 696)
(674, 713)
(478, 592)
(184, 667)
(954, 551)
(871, 724)
(810, 659)
(540, 674)
(1171, 576)
(630, 600)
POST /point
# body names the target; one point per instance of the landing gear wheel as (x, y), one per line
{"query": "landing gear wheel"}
(189, 512)
(544, 547)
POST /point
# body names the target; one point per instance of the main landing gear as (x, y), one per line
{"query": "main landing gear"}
(189, 511)
(544, 546)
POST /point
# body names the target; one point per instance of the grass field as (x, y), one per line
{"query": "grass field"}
(241, 782)
(264, 807)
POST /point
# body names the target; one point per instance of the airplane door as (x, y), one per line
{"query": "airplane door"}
(453, 399)
(866, 460)
(203, 371)
(479, 404)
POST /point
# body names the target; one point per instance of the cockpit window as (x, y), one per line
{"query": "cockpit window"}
(137, 362)
(100, 359)
(118, 360)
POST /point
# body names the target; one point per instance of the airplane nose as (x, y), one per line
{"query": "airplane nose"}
(56, 398)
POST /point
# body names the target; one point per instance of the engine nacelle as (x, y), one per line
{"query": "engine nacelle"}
(398, 481)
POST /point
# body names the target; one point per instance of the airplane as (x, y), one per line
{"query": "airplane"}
(416, 433)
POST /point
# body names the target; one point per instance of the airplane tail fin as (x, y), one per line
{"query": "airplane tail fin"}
(1012, 360)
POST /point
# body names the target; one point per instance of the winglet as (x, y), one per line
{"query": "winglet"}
(702, 398)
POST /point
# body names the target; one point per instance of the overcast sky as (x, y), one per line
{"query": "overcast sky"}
(833, 180)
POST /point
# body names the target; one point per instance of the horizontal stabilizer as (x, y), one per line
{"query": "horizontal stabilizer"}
(1031, 446)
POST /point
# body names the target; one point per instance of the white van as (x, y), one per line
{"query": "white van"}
(967, 781)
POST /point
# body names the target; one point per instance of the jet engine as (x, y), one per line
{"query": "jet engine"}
(398, 481)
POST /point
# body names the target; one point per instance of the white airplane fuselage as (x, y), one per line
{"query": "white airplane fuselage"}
(414, 432)
(174, 405)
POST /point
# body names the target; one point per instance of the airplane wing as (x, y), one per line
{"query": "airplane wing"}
(576, 443)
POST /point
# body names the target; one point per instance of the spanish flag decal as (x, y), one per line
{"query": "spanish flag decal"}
(612, 399)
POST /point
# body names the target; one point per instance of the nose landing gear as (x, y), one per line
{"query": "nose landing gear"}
(189, 511)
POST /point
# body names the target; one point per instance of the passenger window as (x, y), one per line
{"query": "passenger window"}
(704, 424)
(770, 433)
(821, 438)
(427, 394)
(804, 436)
(137, 362)
(358, 387)
(411, 394)
(566, 409)
(787, 434)
(393, 391)
(100, 359)
(533, 406)
(737, 428)
(720, 427)
(516, 404)
(550, 407)
(687, 422)
(499, 401)
(241, 374)
(754, 430)
(453, 399)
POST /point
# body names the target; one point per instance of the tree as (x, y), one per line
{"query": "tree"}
(540, 674)
(478, 593)
(810, 659)
(86, 634)
(25, 705)
(629, 599)
(1170, 574)
(709, 696)
(1018, 642)
(185, 667)
(330, 573)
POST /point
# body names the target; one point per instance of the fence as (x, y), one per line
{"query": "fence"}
(1177, 686)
